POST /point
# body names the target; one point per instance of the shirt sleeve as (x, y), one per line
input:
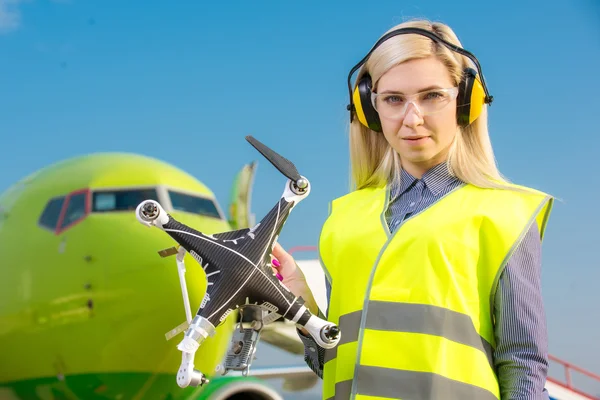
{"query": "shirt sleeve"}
(314, 354)
(521, 355)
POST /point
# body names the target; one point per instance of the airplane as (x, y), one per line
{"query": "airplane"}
(87, 302)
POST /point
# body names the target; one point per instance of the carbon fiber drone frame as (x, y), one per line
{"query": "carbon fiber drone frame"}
(238, 268)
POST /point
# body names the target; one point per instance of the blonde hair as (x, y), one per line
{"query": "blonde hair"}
(373, 162)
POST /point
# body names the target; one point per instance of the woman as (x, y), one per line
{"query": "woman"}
(433, 260)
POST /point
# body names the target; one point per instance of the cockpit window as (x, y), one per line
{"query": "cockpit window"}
(51, 213)
(121, 200)
(193, 204)
(75, 209)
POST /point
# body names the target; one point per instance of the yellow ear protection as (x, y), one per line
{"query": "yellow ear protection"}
(472, 95)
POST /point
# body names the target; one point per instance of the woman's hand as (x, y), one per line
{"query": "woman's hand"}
(292, 277)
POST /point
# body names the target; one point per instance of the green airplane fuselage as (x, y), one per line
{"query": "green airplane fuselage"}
(84, 309)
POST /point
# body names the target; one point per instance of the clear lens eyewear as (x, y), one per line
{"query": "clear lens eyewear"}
(394, 105)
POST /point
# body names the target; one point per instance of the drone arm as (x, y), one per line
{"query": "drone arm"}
(325, 334)
(267, 230)
(184, 293)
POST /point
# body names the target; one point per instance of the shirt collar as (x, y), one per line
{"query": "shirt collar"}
(435, 179)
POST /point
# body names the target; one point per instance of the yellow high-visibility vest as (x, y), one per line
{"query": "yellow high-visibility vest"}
(415, 308)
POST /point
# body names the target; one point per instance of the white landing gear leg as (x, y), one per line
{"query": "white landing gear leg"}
(198, 331)
(180, 253)
(181, 270)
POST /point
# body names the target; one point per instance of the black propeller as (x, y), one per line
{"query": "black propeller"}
(285, 166)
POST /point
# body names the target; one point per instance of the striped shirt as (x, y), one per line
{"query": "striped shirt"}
(521, 353)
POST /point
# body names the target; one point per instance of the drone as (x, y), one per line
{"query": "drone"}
(238, 267)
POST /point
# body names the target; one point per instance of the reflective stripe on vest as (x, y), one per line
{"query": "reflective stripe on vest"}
(397, 384)
(417, 318)
(415, 308)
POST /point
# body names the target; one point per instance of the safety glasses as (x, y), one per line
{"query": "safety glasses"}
(394, 105)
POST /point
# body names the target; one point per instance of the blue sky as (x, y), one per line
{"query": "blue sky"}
(186, 81)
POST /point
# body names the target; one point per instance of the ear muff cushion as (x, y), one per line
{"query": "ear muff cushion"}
(463, 106)
(471, 97)
(362, 100)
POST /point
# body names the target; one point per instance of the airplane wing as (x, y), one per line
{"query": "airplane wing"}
(296, 378)
(282, 334)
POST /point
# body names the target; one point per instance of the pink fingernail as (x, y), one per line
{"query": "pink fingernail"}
(279, 277)
(276, 263)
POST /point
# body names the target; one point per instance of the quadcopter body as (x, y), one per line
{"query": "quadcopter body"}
(238, 267)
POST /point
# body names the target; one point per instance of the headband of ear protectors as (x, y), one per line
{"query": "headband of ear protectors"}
(472, 94)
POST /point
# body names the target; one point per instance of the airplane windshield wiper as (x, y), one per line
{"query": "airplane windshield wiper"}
(238, 268)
